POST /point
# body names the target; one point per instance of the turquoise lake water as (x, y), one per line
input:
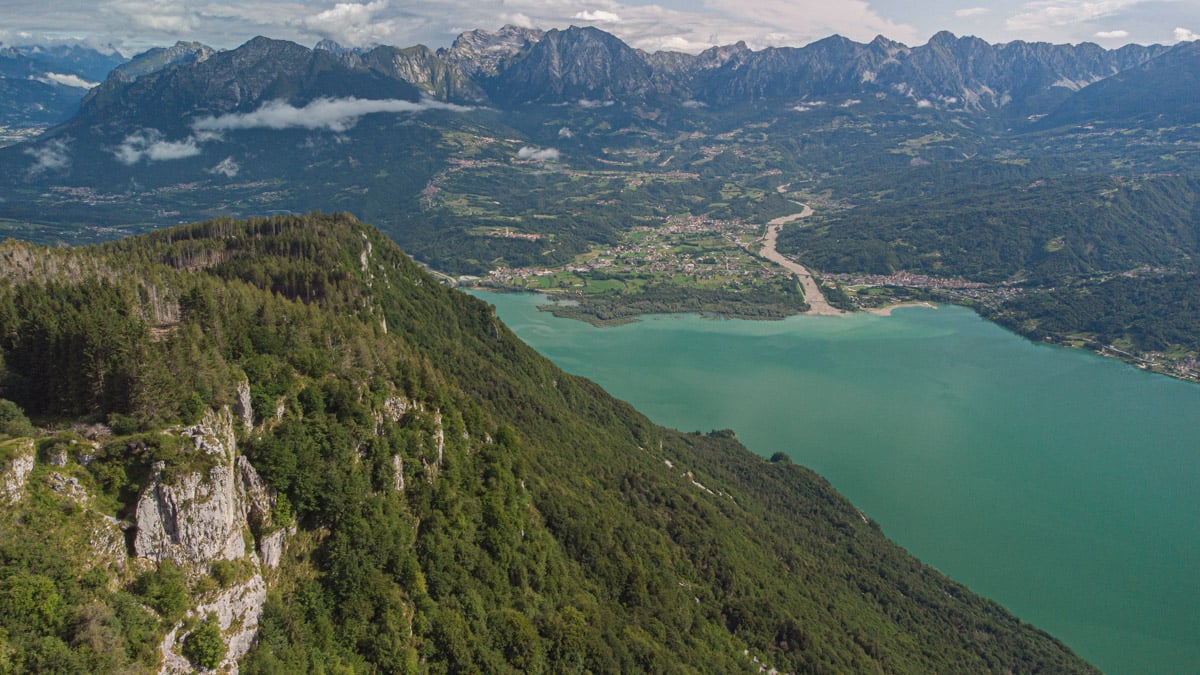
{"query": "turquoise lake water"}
(1063, 485)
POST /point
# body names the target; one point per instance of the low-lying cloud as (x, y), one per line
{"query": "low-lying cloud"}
(538, 154)
(1112, 34)
(339, 114)
(150, 146)
(52, 156)
(226, 167)
(67, 80)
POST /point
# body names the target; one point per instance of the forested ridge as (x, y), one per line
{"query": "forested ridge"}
(987, 222)
(451, 500)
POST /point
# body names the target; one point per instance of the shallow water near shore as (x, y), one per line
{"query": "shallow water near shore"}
(1061, 484)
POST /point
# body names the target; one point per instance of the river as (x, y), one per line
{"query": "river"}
(1064, 485)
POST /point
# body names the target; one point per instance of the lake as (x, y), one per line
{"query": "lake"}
(1063, 485)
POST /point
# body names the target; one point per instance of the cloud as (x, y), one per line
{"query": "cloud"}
(353, 23)
(537, 154)
(971, 11)
(336, 115)
(52, 156)
(149, 145)
(226, 167)
(808, 106)
(324, 113)
(167, 16)
(598, 16)
(1041, 14)
(1185, 35)
(1112, 34)
(566, 133)
(67, 80)
(924, 103)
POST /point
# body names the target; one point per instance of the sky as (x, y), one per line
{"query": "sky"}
(678, 25)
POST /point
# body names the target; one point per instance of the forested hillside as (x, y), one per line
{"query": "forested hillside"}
(421, 491)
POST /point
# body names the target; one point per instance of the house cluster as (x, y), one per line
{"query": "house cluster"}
(669, 249)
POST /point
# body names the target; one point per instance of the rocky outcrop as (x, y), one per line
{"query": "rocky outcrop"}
(15, 473)
(202, 516)
(196, 517)
(242, 407)
(238, 610)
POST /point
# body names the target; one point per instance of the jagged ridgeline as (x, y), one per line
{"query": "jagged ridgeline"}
(281, 443)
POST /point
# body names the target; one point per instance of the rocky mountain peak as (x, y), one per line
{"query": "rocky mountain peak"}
(157, 59)
(480, 52)
(575, 64)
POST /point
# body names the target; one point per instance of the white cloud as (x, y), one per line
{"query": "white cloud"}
(336, 115)
(226, 167)
(52, 156)
(67, 80)
(1112, 34)
(598, 16)
(149, 145)
(808, 106)
(324, 113)
(1041, 14)
(566, 133)
(537, 154)
(167, 16)
(924, 103)
(676, 25)
(1185, 35)
(353, 24)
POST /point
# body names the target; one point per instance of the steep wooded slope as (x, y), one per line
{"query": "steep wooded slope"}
(449, 499)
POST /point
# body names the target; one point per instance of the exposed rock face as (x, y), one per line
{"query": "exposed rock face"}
(270, 548)
(14, 474)
(398, 473)
(481, 52)
(238, 610)
(243, 408)
(201, 516)
(195, 520)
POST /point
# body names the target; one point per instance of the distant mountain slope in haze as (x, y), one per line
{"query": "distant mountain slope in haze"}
(42, 86)
(1164, 90)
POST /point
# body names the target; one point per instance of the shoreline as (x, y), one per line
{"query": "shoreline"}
(887, 310)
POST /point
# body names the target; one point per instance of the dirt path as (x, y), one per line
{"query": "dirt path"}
(812, 293)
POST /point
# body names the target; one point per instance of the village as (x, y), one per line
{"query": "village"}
(682, 249)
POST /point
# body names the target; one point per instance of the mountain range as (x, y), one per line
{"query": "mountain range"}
(192, 115)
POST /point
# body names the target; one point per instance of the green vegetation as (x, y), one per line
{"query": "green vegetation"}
(204, 646)
(960, 222)
(459, 502)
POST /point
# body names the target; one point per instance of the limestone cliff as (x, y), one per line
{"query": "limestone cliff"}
(197, 517)
(14, 473)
